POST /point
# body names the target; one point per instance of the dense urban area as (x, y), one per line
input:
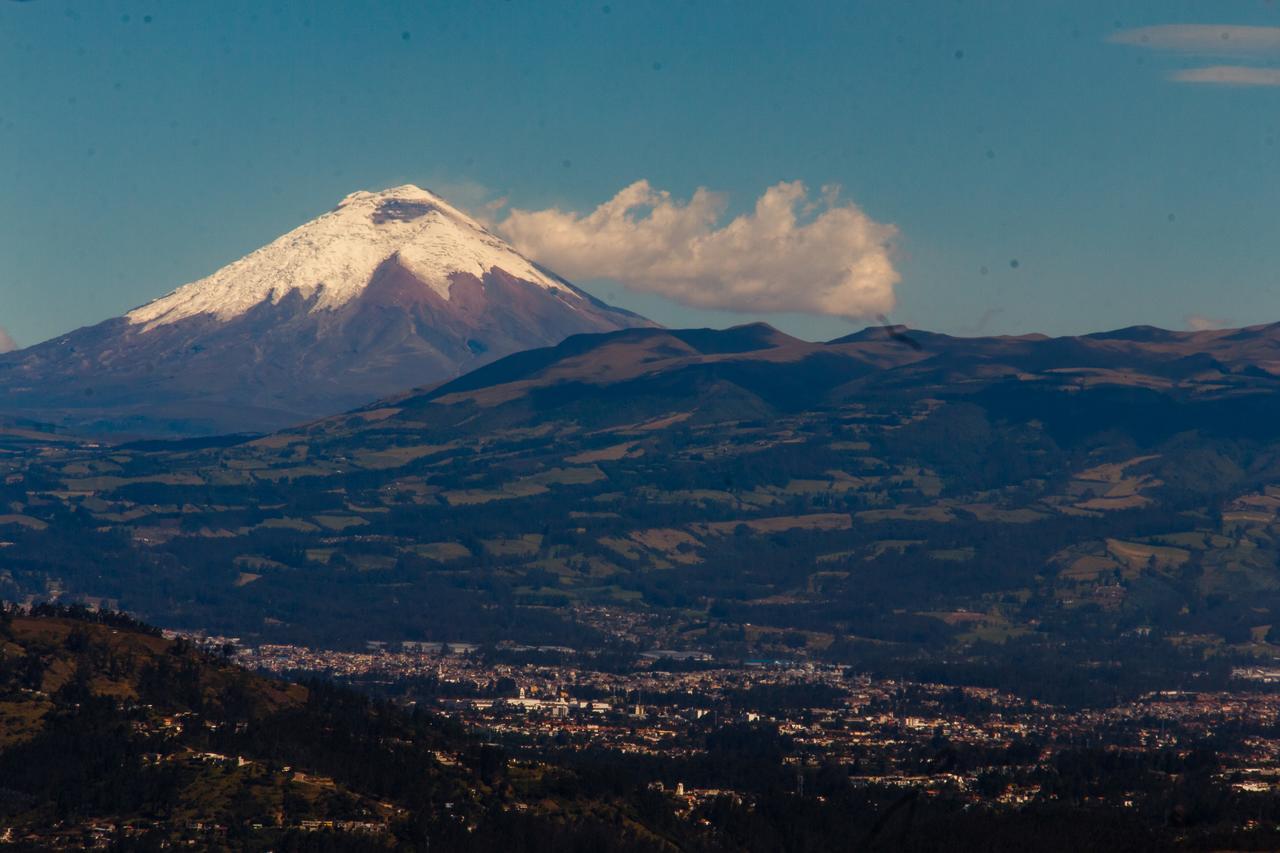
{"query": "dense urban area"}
(664, 710)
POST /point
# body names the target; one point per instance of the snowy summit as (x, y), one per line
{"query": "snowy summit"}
(334, 257)
(388, 291)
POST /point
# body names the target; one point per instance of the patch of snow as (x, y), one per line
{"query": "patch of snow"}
(334, 257)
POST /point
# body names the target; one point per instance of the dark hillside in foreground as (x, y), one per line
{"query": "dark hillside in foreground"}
(113, 736)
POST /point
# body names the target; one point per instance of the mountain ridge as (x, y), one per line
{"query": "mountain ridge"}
(1194, 362)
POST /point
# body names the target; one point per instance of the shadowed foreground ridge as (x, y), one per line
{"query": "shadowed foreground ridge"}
(113, 735)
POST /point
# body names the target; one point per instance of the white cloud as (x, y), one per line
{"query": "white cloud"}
(1229, 75)
(7, 343)
(1205, 39)
(1257, 44)
(791, 253)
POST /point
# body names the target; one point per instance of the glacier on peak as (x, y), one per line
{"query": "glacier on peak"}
(333, 257)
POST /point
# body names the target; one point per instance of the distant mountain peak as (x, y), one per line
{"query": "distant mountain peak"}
(330, 260)
(388, 290)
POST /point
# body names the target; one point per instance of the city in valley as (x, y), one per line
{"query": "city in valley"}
(975, 744)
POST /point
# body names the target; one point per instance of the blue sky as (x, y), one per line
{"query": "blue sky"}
(143, 145)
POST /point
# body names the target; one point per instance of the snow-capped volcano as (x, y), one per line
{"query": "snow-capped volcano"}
(387, 291)
(333, 258)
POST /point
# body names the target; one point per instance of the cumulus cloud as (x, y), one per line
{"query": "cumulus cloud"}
(1229, 75)
(1205, 39)
(7, 343)
(792, 252)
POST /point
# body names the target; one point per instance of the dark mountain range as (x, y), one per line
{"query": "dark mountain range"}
(1215, 377)
(1078, 486)
(388, 290)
